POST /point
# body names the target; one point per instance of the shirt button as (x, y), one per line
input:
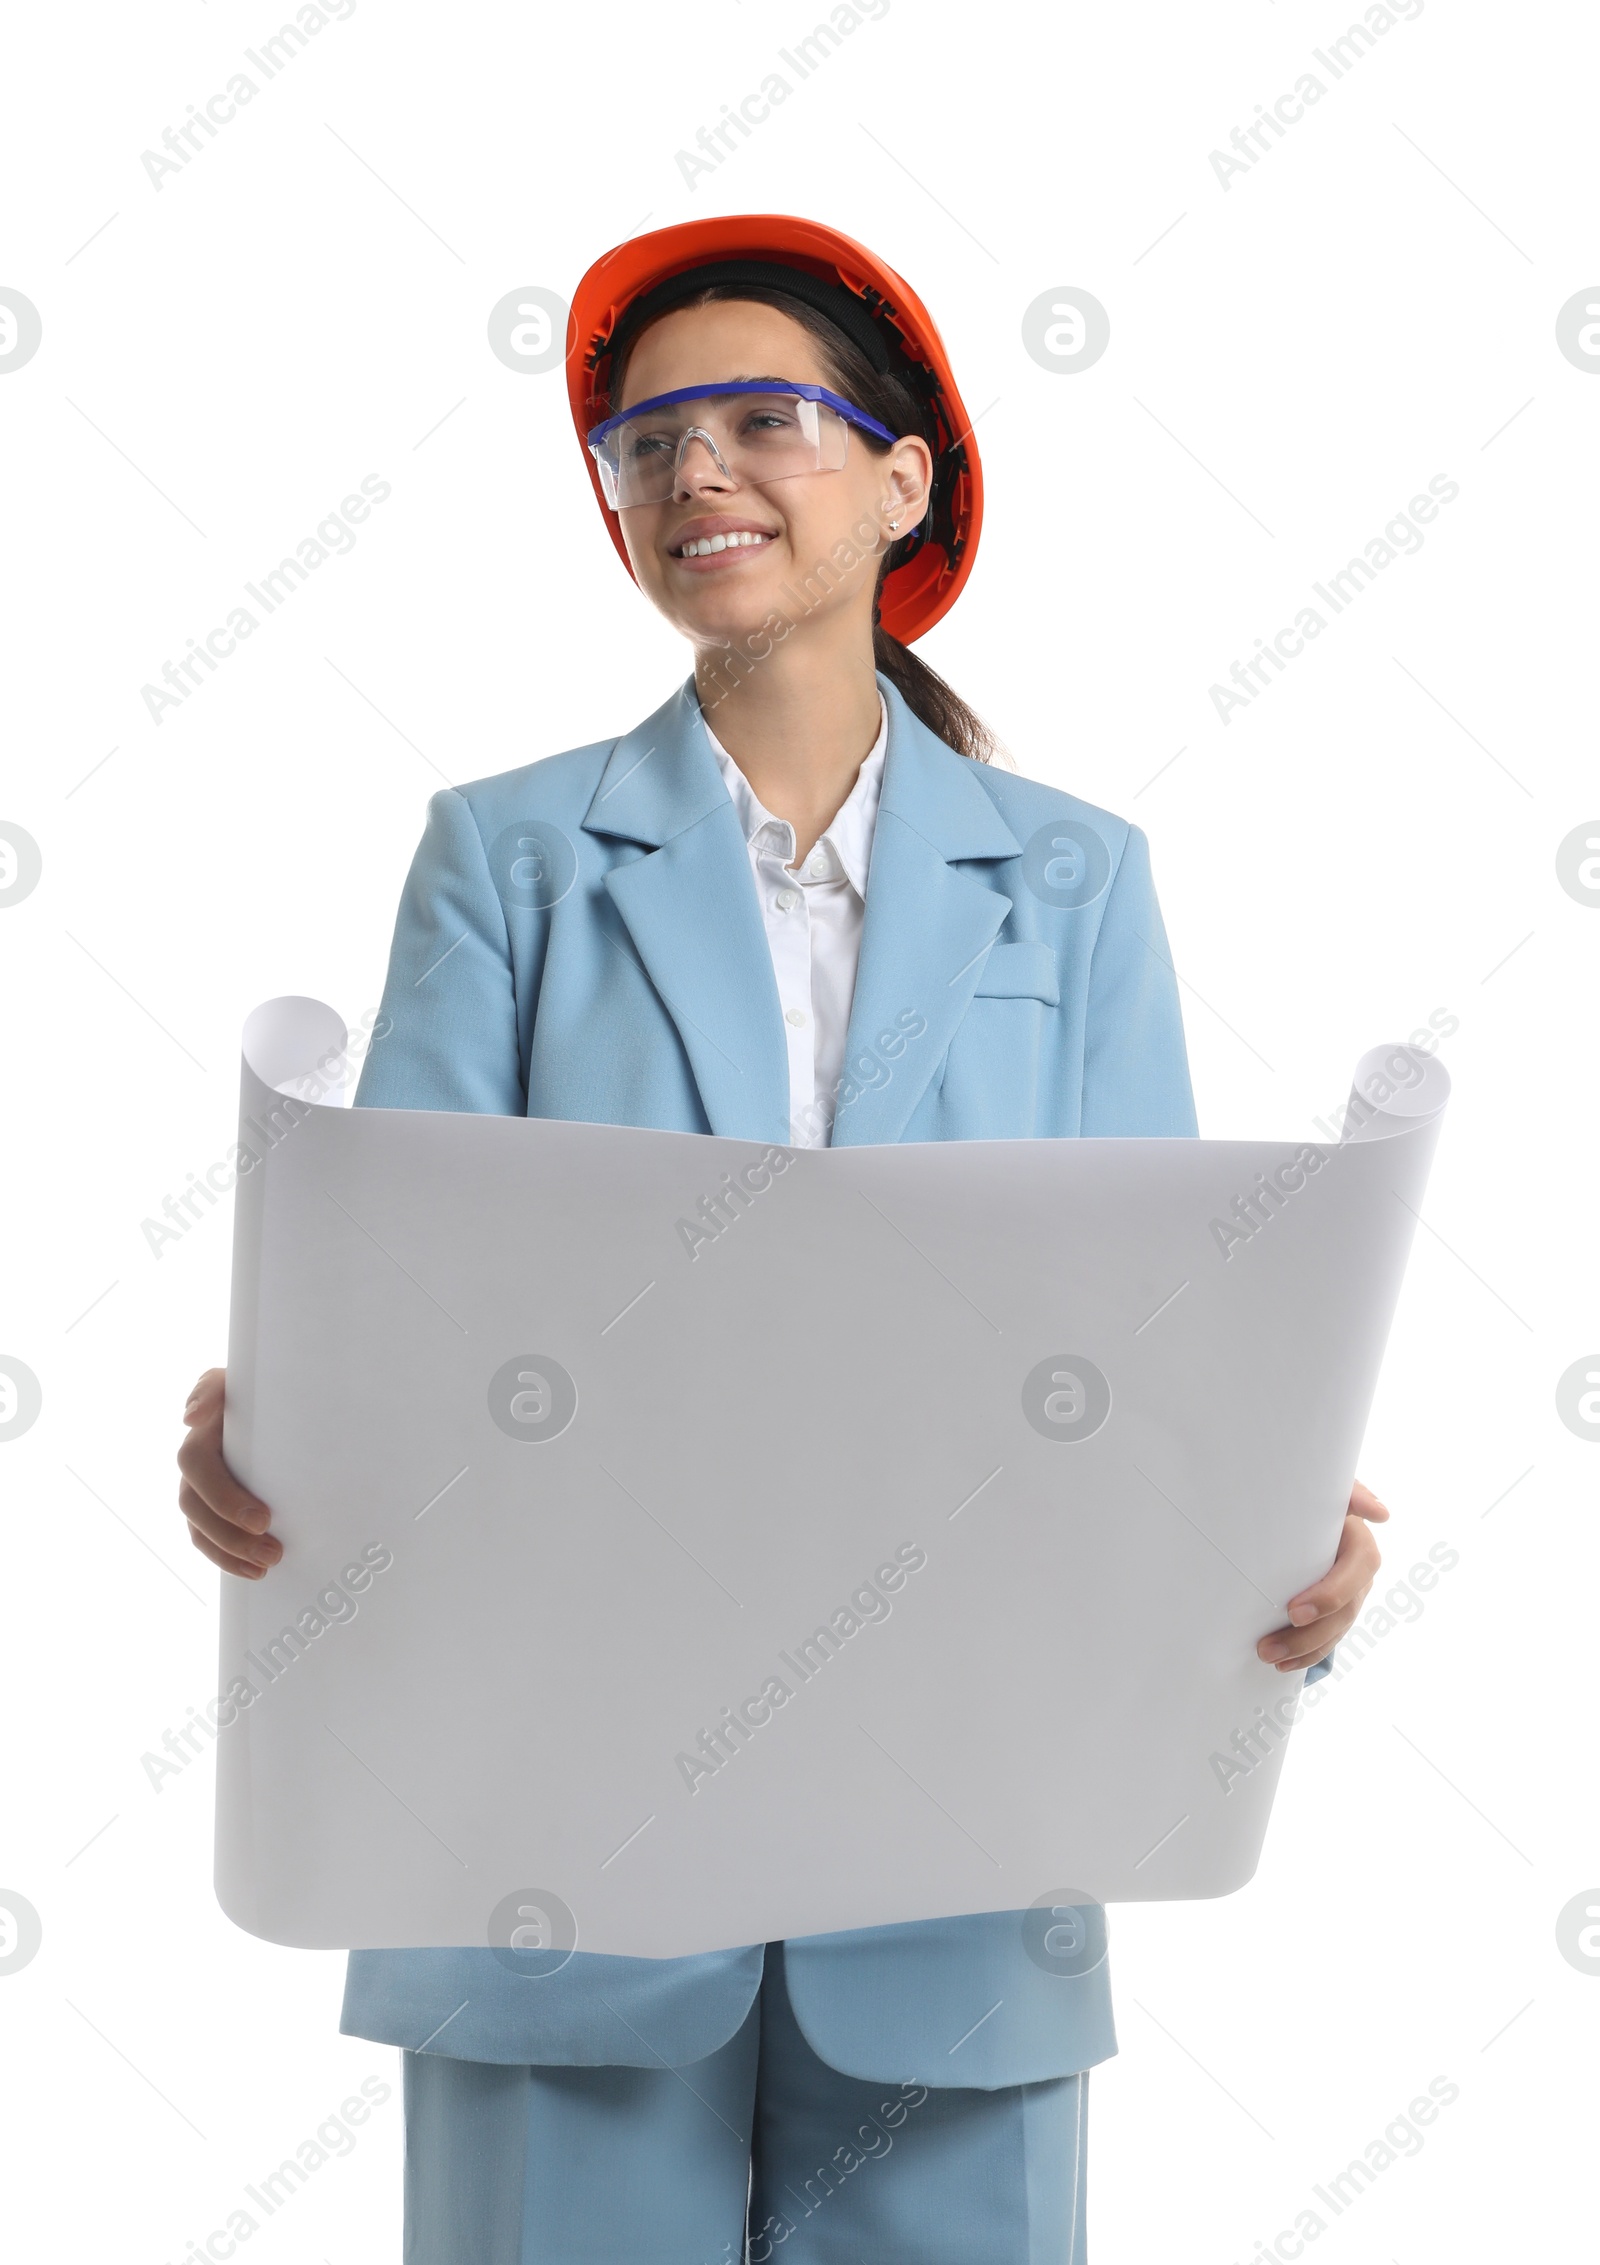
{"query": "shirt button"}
(788, 899)
(817, 865)
(796, 1017)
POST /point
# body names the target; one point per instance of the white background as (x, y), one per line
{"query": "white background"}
(1292, 358)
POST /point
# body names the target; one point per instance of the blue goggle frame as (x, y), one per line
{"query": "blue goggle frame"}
(597, 437)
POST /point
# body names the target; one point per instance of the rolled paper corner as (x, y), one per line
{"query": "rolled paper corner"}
(298, 1047)
(294, 1054)
(1394, 1089)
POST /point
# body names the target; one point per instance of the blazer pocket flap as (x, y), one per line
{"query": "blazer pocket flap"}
(1024, 970)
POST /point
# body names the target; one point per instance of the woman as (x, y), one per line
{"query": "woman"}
(677, 929)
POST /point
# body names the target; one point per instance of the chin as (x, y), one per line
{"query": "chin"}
(732, 621)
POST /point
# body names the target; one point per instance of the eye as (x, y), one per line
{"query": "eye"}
(768, 419)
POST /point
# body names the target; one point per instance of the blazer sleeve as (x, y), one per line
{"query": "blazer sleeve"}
(449, 1001)
(1135, 1063)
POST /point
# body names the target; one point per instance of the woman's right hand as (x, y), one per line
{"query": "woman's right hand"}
(226, 1521)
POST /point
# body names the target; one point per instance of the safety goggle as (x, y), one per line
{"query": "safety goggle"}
(756, 430)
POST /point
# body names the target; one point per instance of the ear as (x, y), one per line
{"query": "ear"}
(908, 484)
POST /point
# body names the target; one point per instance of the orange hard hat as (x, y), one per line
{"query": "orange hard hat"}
(876, 309)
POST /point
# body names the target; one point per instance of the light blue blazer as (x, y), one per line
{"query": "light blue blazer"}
(644, 995)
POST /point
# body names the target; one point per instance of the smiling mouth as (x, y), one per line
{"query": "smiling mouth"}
(706, 546)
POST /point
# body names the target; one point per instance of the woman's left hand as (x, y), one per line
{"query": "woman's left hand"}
(1321, 1614)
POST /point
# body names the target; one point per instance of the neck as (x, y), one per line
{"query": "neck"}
(799, 723)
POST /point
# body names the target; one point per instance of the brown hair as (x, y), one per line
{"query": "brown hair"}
(894, 403)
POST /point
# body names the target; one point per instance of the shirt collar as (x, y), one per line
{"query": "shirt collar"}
(849, 834)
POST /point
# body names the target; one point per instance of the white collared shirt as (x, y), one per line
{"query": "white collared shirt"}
(813, 919)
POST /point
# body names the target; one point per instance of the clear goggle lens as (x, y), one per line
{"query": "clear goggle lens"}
(749, 435)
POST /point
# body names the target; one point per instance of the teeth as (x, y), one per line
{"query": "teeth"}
(706, 544)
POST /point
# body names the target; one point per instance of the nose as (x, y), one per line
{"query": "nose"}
(700, 465)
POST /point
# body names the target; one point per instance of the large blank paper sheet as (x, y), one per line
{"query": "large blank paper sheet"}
(689, 1543)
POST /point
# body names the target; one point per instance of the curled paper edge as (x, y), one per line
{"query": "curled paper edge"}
(298, 1047)
(1394, 1089)
(301, 1048)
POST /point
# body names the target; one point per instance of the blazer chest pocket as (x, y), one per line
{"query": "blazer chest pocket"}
(1025, 970)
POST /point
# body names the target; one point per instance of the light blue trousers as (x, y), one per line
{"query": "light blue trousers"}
(760, 2152)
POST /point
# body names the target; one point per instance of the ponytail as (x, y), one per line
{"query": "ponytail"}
(929, 698)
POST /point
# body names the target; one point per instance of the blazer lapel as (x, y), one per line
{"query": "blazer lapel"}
(690, 910)
(927, 930)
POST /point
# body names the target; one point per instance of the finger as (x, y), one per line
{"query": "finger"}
(258, 1550)
(207, 1392)
(1365, 1504)
(1307, 1658)
(208, 1548)
(200, 1460)
(1302, 1647)
(1348, 1578)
